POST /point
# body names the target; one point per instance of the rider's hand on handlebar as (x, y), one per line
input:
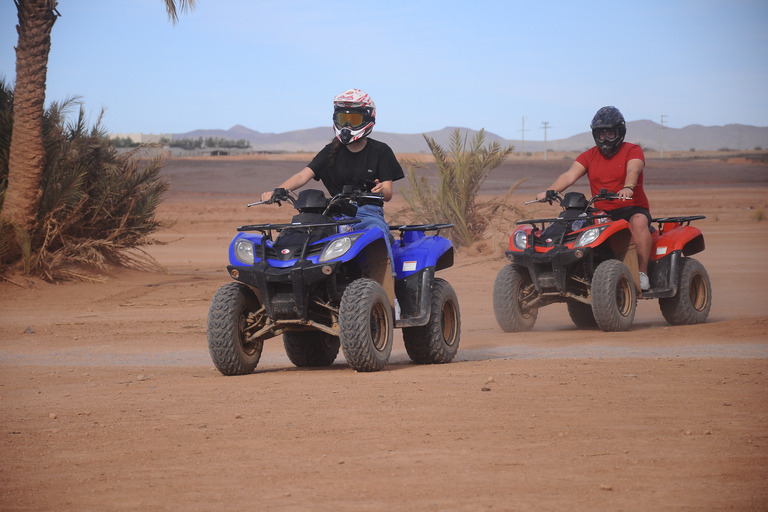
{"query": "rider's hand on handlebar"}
(547, 195)
(277, 195)
(378, 187)
(625, 194)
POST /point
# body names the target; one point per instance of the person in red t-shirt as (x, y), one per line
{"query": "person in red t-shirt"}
(616, 166)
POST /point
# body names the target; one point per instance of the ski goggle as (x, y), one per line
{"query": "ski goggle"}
(353, 119)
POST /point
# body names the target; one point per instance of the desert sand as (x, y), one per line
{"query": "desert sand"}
(109, 399)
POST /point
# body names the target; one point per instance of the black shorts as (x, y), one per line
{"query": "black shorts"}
(627, 212)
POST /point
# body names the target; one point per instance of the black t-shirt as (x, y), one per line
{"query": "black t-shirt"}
(376, 161)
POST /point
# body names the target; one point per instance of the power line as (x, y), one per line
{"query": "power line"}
(661, 134)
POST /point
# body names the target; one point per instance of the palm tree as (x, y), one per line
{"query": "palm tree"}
(26, 158)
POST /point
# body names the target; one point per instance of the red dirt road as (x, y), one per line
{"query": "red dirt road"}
(109, 400)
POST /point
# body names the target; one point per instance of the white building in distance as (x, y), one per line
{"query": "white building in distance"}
(142, 138)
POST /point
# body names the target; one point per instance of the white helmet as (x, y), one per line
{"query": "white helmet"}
(354, 114)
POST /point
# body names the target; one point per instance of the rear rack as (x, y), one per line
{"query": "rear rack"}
(420, 227)
(680, 220)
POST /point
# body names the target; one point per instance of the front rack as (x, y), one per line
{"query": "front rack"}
(543, 222)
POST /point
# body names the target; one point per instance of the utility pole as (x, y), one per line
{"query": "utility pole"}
(545, 123)
(661, 131)
(522, 150)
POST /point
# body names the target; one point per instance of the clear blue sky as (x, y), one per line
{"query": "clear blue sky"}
(275, 66)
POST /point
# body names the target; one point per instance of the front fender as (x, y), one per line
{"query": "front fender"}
(252, 237)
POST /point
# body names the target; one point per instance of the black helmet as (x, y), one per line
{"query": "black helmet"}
(608, 130)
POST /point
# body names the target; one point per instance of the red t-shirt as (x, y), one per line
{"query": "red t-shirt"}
(610, 173)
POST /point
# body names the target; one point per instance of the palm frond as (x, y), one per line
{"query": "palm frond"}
(97, 208)
(184, 6)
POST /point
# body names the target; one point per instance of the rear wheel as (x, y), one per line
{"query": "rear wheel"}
(235, 311)
(311, 348)
(613, 296)
(438, 340)
(693, 301)
(366, 325)
(581, 315)
(512, 291)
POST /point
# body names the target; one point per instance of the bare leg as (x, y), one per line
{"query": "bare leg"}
(638, 224)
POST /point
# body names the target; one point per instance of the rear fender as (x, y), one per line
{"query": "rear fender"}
(687, 239)
(416, 251)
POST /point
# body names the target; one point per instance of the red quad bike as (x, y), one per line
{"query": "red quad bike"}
(589, 262)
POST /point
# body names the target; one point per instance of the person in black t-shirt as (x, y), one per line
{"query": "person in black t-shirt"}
(352, 158)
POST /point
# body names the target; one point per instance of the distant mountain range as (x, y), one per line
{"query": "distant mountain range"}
(646, 133)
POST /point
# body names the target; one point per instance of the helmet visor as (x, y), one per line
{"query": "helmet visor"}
(606, 134)
(353, 119)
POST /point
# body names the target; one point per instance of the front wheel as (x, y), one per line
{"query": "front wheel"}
(613, 296)
(234, 311)
(366, 325)
(512, 291)
(438, 340)
(693, 301)
(311, 348)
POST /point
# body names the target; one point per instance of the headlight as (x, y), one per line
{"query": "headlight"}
(521, 239)
(244, 251)
(338, 247)
(589, 236)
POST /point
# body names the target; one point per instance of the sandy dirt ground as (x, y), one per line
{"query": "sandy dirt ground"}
(109, 400)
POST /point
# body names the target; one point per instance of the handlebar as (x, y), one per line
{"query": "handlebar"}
(278, 196)
(552, 196)
(348, 194)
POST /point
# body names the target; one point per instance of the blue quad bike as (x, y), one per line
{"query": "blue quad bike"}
(323, 285)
